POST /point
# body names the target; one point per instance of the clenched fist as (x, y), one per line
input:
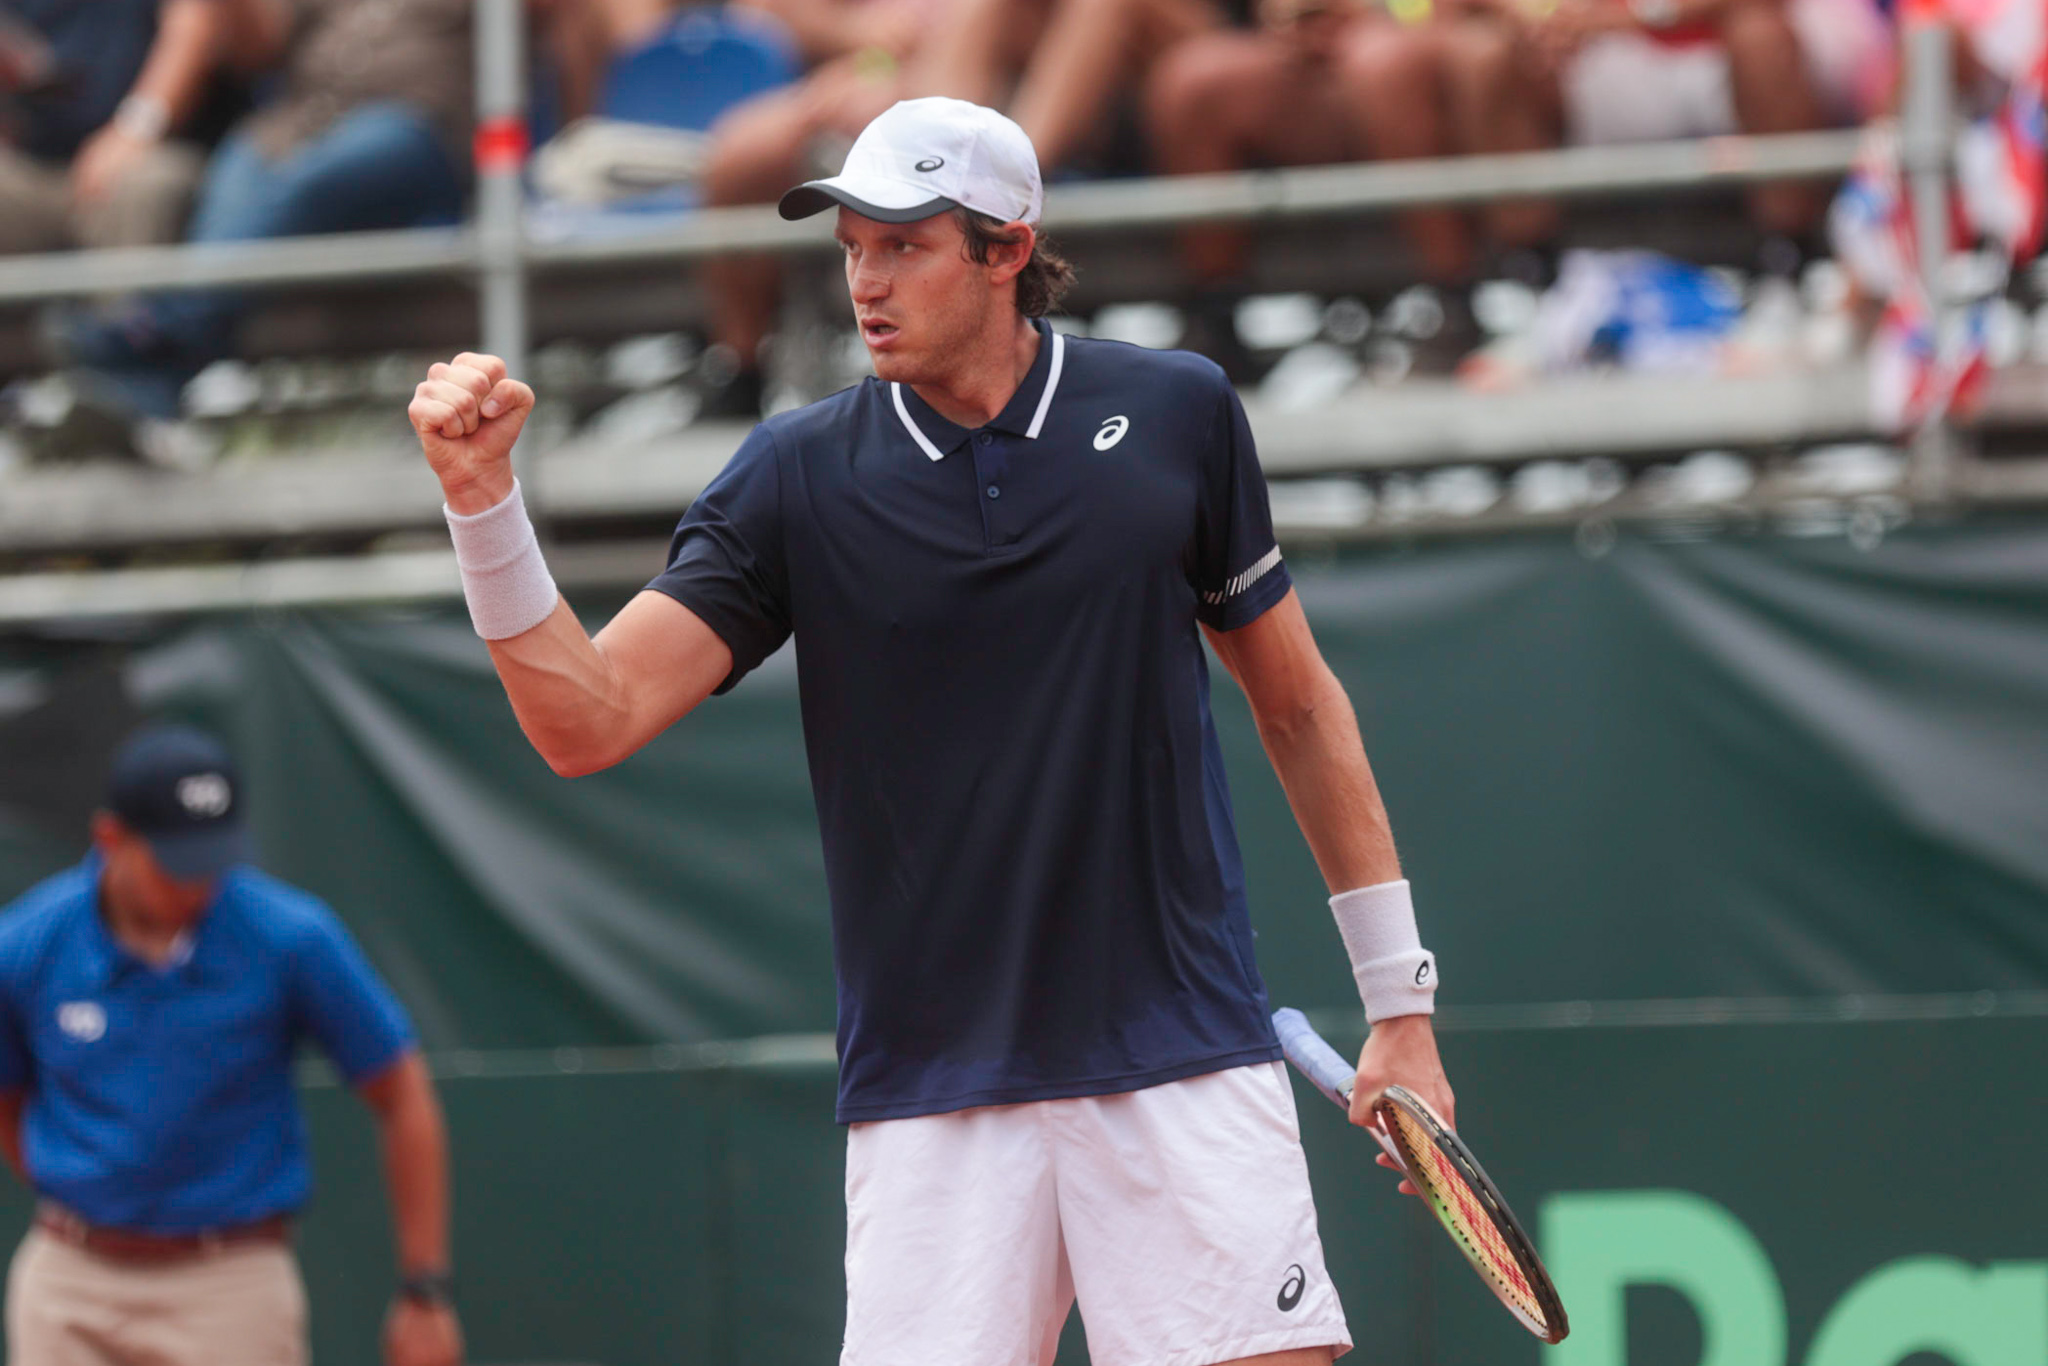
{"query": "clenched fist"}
(468, 414)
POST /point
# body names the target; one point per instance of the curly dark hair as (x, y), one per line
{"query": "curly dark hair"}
(1046, 277)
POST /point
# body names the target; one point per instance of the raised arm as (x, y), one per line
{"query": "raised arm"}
(1311, 735)
(584, 703)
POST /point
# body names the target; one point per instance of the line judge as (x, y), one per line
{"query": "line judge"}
(152, 1000)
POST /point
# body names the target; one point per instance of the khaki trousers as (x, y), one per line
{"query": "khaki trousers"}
(241, 1306)
(149, 204)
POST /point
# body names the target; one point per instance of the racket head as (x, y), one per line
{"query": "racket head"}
(1469, 1206)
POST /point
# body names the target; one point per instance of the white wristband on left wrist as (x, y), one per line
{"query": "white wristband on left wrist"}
(1394, 973)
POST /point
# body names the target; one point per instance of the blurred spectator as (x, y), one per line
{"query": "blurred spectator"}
(1316, 81)
(1609, 71)
(821, 29)
(104, 107)
(1058, 65)
(1066, 59)
(770, 142)
(370, 129)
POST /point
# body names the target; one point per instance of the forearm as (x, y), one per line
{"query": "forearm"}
(190, 38)
(415, 1152)
(1319, 756)
(567, 694)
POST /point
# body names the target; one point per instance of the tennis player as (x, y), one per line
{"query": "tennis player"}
(1054, 1049)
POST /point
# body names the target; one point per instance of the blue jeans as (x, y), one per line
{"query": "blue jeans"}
(380, 166)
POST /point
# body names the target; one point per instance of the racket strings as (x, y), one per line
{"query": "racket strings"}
(1467, 1212)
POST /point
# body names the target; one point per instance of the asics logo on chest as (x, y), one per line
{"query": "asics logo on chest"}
(1112, 432)
(84, 1021)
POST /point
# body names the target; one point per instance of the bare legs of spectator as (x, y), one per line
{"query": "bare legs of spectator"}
(1230, 100)
(1090, 49)
(1392, 79)
(1500, 101)
(628, 23)
(1066, 58)
(1773, 94)
(976, 47)
(1508, 97)
(758, 150)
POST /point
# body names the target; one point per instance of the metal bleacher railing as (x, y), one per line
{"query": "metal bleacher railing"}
(497, 254)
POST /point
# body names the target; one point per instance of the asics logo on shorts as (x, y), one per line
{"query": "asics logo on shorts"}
(1291, 1288)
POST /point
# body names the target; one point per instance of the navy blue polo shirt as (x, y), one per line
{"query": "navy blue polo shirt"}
(1035, 882)
(161, 1098)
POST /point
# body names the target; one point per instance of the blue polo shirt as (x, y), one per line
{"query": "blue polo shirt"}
(1035, 882)
(161, 1098)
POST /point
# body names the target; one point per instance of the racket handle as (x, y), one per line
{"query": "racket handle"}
(1323, 1065)
(1325, 1068)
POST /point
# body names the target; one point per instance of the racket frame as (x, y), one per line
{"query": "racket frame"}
(1494, 1207)
(1330, 1074)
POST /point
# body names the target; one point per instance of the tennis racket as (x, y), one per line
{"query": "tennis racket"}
(1452, 1183)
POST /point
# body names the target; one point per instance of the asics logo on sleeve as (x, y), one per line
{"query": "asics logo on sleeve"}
(1112, 432)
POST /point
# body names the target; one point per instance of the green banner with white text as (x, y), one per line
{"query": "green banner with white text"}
(1734, 852)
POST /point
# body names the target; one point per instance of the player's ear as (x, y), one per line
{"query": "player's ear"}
(1011, 251)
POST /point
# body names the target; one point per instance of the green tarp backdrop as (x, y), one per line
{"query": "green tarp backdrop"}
(1794, 791)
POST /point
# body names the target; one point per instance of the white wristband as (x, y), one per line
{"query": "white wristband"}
(504, 579)
(1395, 974)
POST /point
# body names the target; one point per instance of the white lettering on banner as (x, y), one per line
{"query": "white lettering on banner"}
(1598, 1243)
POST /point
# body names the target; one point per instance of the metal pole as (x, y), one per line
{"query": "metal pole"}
(1926, 140)
(500, 158)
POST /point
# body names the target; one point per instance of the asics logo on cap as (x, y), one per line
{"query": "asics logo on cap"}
(926, 156)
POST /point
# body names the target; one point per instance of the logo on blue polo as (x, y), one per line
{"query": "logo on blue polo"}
(1112, 432)
(82, 1020)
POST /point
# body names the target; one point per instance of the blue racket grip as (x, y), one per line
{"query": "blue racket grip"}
(1323, 1065)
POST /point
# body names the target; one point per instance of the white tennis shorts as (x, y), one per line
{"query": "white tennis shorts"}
(1179, 1216)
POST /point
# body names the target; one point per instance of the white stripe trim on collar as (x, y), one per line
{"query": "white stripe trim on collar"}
(1052, 382)
(924, 443)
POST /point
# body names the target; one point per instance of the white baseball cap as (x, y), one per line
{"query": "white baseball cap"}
(924, 157)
